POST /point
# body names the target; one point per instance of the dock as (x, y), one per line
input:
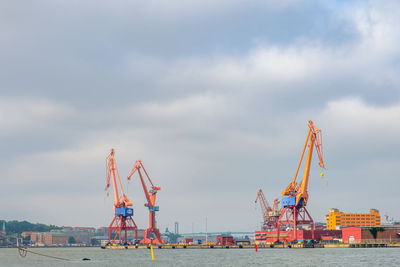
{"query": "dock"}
(307, 245)
(118, 247)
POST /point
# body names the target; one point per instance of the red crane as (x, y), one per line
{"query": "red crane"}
(270, 215)
(122, 221)
(151, 234)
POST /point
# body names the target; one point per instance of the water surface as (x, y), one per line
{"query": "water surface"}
(206, 257)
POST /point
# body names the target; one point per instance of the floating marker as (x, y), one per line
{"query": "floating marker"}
(322, 174)
(256, 248)
(152, 252)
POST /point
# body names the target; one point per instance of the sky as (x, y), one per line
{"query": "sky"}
(213, 96)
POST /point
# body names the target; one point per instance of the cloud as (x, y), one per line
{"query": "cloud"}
(354, 118)
(362, 130)
(22, 114)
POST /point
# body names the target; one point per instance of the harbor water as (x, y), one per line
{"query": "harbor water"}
(205, 257)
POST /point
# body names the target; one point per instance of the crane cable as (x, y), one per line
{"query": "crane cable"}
(23, 251)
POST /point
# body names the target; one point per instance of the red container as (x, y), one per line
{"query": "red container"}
(188, 240)
(351, 235)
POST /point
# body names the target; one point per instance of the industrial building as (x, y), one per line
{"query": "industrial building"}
(37, 238)
(49, 238)
(371, 234)
(55, 238)
(336, 219)
(270, 237)
(81, 235)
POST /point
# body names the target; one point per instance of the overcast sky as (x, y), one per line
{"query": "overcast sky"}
(213, 97)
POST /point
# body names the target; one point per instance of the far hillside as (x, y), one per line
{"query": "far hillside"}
(17, 227)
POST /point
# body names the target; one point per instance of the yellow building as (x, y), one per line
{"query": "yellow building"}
(335, 219)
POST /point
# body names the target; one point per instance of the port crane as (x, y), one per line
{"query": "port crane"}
(122, 221)
(270, 215)
(295, 198)
(151, 234)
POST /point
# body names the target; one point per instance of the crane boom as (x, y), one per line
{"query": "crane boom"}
(314, 139)
(150, 198)
(112, 173)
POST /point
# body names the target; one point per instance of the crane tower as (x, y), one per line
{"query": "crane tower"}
(294, 203)
(151, 234)
(122, 221)
(270, 215)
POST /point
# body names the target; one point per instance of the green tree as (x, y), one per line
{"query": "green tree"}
(374, 231)
(94, 242)
(71, 240)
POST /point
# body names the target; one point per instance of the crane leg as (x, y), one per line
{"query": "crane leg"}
(295, 223)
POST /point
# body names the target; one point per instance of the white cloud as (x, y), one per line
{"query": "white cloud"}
(359, 121)
(187, 107)
(26, 113)
(356, 113)
(376, 23)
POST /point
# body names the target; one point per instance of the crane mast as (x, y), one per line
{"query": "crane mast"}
(122, 221)
(152, 234)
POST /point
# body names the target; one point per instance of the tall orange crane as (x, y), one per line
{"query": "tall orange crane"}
(270, 215)
(151, 234)
(294, 210)
(122, 221)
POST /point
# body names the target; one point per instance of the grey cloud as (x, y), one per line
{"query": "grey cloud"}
(213, 98)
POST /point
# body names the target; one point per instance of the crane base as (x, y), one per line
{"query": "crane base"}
(152, 236)
(120, 226)
(291, 217)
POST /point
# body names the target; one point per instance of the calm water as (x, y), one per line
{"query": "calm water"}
(206, 257)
